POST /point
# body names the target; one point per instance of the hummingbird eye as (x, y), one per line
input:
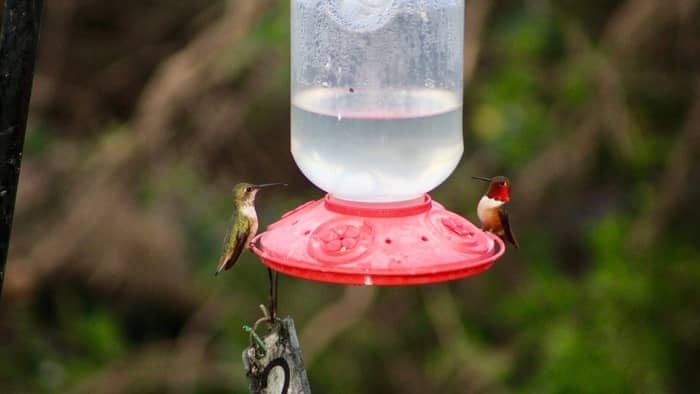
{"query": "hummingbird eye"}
(248, 189)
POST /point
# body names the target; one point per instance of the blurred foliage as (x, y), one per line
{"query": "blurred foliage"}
(146, 113)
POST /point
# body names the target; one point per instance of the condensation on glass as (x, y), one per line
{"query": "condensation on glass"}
(377, 95)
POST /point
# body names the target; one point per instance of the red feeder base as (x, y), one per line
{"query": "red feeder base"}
(408, 243)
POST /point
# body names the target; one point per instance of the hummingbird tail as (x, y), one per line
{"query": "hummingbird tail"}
(224, 264)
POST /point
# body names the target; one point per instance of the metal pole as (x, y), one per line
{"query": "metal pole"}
(18, 43)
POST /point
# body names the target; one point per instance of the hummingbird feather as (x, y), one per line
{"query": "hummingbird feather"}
(507, 232)
(244, 223)
(236, 241)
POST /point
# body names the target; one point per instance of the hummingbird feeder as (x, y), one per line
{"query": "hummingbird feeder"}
(377, 123)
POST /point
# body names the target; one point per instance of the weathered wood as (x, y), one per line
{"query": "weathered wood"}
(279, 367)
(20, 35)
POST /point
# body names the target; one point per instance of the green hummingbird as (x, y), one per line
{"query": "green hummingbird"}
(244, 223)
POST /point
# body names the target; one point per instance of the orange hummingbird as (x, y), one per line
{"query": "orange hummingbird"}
(491, 211)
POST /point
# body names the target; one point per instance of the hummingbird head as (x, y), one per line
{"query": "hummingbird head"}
(245, 192)
(499, 187)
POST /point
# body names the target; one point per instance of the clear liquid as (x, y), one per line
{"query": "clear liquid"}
(376, 146)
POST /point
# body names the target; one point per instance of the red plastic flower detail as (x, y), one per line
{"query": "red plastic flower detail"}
(340, 238)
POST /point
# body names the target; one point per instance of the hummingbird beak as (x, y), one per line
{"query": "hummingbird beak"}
(264, 185)
(481, 178)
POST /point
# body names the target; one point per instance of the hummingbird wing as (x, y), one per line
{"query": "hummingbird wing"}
(236, 241)
(507, 232)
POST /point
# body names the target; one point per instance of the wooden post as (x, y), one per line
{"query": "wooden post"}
(277, 367)
(20, 35)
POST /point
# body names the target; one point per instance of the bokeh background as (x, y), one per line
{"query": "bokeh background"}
(145, 113)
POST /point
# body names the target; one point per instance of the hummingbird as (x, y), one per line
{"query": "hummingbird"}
(491, 211)
(244, 223)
